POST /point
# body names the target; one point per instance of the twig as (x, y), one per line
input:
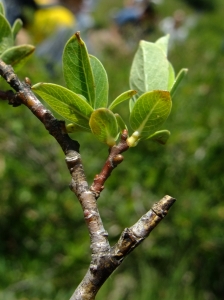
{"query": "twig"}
(104, 263)
(113, 160)
(79, 185)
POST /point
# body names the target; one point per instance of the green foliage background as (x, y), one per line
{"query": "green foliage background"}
(44, 244)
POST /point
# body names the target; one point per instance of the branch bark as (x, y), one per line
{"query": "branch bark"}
(105, 259)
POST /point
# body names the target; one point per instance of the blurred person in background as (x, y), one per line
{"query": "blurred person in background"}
(177, 26)
(22, 9)
(82, 9)
(53, 24)
(135, 20)
(49, 17)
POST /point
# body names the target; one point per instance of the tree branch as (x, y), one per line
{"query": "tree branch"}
(111, 163)
(79, 185)
(105, 259)
(104, 263)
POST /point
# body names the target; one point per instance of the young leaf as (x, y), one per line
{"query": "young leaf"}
(124, 96)
(177, 81)
(150, 111)
(6, 38)
(65, 102)
(120, 122)
(2, 10)
(103, 124)
(101, 82)
(18, 24)
(17, 55)
(171, 76)
(131, 103)
(162, 43)
(150, 69)
(72, 127)
(160, 137)
(77, 69)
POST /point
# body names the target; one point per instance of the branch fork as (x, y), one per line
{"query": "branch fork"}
(105, 259)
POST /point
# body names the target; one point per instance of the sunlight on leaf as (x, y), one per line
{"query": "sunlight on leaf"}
(77, 69)
(100, 81)
(150, 69)
(163, 43)
(66, 103)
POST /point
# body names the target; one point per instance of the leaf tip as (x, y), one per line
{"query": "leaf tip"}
(78, 36)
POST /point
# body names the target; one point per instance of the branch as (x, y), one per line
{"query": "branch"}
(79, 185)
(111, 163)
(105, 259)
(104, 263)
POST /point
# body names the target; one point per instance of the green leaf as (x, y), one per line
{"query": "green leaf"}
(171, 77)
(120, 122)
(131, 103)
(65, 102)
(162, 43)
(160, 137)
(150, 69)
(150, 111)
(77, 69)
(101, 82)
(123, 97)
(71, 128)
(6, 38)
(103, 124)
(2, 10)
(177, 81)
(18, 55)
(18, 24)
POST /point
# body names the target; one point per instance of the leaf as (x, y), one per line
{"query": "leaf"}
(2, 10)
(171, 77)
(160, 137)
(163, 43)
(121, 98)
(17, 55)
(65, 102)
(177, 81)
(150, 111)
(77, 69)
(71, 128)
(101, 82)
(120, 122)
(131, 104)
(103, 124)
(150, 69)
(18, 24)
(6, 38)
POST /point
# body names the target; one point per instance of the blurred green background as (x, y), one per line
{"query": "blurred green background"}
(44, 244)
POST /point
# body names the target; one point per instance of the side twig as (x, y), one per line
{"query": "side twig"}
(113, 160)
